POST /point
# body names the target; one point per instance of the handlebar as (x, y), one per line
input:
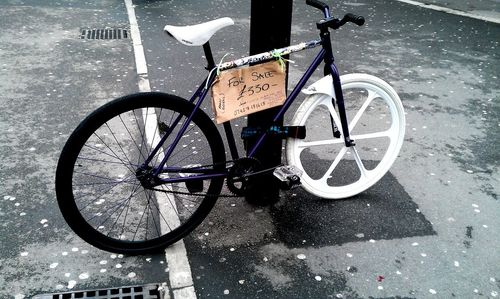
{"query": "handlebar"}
(321, 6)
(317, 4)
(358, 20)
(333, 22)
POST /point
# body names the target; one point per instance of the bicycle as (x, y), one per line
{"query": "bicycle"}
(144, 170)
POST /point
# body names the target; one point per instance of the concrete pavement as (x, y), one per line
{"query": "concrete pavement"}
(428, 229)
(49, 80)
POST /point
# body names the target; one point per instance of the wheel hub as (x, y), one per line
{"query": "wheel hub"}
(144, 175)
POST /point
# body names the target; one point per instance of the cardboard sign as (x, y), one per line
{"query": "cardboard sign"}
(242, 91)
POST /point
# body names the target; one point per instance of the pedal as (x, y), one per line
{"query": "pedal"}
(288, 175)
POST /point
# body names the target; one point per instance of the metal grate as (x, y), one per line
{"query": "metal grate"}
(149, 291)
(106, 33)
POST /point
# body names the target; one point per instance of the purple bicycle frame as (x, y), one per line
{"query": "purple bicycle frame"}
(201, 94)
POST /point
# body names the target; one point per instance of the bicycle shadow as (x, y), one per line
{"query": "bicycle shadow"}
(385, 211)
(257, 244)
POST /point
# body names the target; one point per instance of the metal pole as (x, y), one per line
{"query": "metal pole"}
(270, 28)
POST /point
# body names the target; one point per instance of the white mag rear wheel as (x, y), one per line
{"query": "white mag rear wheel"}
(377, 126)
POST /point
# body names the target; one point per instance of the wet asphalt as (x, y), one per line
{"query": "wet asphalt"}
(428, 229)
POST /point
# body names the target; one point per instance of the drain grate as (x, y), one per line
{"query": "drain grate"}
(106, 33)
(149, 291)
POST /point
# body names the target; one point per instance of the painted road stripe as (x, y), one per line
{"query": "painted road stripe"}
(180, 276)
(453, 11)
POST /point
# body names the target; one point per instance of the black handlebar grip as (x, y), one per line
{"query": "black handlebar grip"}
(358, 20)
(318, 4)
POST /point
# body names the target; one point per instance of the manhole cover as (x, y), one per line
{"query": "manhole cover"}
(106, 33)
(149, 291)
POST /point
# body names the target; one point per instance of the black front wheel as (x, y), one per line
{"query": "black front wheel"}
(100, 183)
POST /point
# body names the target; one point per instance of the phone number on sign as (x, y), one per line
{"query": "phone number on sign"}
(244, 110)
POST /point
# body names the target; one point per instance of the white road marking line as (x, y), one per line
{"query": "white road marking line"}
(178, 264)
(180, 276)
(185, 293)
(452, 11)
(140, 58)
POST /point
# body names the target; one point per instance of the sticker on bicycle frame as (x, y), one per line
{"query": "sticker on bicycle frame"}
(242, 91)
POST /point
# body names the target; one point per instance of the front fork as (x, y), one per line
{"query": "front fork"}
(332, 70)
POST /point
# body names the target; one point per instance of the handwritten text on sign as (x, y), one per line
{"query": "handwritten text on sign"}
(243, 91)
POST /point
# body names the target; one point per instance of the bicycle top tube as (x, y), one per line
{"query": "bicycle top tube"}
(269, 55)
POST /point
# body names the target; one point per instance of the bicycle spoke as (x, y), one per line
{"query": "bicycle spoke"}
(99, 177)
(157, 126)
(179, 148)
(117, 206)
(139, 224)
(124, 220)
(336, 162)
(132, 138)
(147, 223)
(86, 145)
(152, 136)
(94, 199)
(369, 99)
(119, 145)
(372, 135)
(105, 144)
(359, 162)
(102, 183)
(174, 208)
(104, 161)
(119, 215)
(95, 184)
(143, 138)
(307, 144)
(158, 232)
(149, 126)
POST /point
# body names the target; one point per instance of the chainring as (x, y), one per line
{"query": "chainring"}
(239, 177)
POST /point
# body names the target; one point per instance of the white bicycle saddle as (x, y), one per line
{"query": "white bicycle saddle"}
(197, 35)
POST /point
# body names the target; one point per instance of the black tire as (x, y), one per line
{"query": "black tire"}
(96, 178)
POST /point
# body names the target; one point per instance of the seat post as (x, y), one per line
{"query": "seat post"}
(209, 56)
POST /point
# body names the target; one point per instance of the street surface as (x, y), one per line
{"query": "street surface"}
(429, 229)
